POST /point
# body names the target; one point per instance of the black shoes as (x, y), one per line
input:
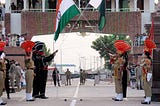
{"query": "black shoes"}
(3, 103)
(36, 96)
(144, 102)
(30, 100)
(118, 99)
(43, 97)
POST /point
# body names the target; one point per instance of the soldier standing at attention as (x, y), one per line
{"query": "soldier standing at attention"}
(147, 71)
(120, 70)
(81, 76)
(118, 77)
(55, 76)
(68, 76)
(7, 62)
(2, 71)
(29, 64)
(41, 69)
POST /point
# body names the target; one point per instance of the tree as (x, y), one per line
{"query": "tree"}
(105, 45)
(47, 52)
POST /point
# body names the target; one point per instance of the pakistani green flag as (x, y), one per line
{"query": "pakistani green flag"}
(102, 18)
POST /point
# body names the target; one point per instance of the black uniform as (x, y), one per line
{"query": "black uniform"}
(55, 76)
(41, 71)
(125, 75)
(7, 78)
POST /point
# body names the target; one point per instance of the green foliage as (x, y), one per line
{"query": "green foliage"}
(47, 52)
(105, 45)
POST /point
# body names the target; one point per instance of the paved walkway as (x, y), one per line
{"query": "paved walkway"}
(80, 95)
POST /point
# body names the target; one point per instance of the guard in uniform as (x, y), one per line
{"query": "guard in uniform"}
(117, 67)
(68, 77)
(29, 64)
(2, 71)
(120, 63)
(7, 86)
(81, 76)
(146, 70)
(41, 69)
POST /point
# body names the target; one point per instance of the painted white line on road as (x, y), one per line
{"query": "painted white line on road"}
(73, 102)
(76, 92)
(75, 96)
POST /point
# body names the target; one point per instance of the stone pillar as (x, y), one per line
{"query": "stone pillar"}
(156, 76)
(8, 6)
(43, 5)
(113, 5)
(151, 6)
(25, 4)
(79, 4)
(117, 5)
(135, 5)
(156, 59)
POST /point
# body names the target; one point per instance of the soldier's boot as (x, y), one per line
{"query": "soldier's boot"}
(119, 97)
(146, 101)
(29, 97)
(8, 96)
(115, 97)
(2, 102)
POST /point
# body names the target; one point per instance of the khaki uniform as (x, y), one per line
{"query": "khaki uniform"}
(118, 75)
(146, 68)
(2, 75)
(29, 75)
(68, 77)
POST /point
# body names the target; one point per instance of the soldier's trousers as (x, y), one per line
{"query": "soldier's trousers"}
(29, 76)
(118, 86)
(147, 88)
(1, 83)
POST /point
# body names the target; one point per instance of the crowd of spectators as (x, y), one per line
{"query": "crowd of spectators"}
(12, 40)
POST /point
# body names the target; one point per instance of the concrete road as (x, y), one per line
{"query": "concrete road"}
(80, 95)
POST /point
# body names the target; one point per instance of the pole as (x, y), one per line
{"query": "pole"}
(61, 60)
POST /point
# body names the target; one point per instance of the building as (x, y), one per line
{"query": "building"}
(128, 17)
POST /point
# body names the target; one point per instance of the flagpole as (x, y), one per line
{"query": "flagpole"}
(88, 23)
(79, 17)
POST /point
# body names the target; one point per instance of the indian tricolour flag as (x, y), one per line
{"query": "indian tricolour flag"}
(65, 11)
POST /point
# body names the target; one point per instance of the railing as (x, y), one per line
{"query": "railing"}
(83, 9)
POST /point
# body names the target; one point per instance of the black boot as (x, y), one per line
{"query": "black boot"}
(8, 96)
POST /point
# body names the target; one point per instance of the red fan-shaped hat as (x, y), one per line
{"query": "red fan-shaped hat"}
(2, 45)
(149, 44)
(27, 45)
(121, 46)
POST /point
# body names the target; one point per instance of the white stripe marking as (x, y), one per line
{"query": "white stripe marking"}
(75, 96)
(73, 102)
